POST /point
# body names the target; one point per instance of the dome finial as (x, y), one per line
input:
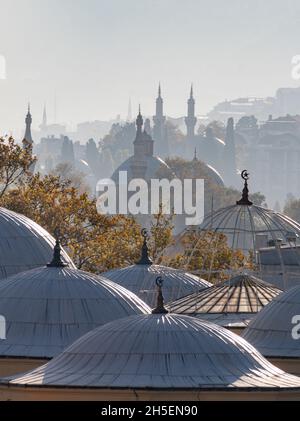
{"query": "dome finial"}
(160, 309)
(56, 261)
(139, 122)
(145, 259)
(245, 195)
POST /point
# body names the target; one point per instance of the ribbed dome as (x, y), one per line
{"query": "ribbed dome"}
(46, 309)
(159, 352)
(140, 279)
(24, 244)
(233, 302)
(268, 239)
(153, 165)
(271, 330)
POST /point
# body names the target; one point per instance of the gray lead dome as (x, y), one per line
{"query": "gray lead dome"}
(24, 244)
(232, 303)
(271, 330)
(140, 279)
(159, 352)
(46, 309)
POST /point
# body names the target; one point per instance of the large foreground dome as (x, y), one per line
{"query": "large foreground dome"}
(24, 244)
(48, 308)
(161, 352)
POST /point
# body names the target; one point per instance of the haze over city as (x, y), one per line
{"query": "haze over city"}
(92, 55)
(149, 206)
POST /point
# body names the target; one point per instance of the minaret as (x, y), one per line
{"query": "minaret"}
(143, 148)
(139, 124)
(27, 141)
(44, 117)
(43, 125)
(159, 129)
(129, 115)
(191, 120)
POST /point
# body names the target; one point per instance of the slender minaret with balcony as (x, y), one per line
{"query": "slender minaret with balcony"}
(191, 120)
(27, 141)
(143, 149)
(159, 129)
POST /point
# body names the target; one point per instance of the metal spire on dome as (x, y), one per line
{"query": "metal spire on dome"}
(56, 261)
(145, 259)
(139, 121)
(159, 309)
(245, 195)
(192, 91)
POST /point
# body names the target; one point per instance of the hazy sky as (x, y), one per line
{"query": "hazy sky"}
(95, 54)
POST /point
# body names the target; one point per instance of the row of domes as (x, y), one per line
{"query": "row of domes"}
(118, 342)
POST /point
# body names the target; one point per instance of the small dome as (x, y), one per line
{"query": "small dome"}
(231, 303)
(153, 165)
(159, 352)
(140, 279)
(24, 244)
(271, 330)
(48, 308)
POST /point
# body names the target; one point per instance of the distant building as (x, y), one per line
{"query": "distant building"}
(143, 164)
(191, 119)
(285, 101)
(237, 108)
(159, 129)
(271, 150)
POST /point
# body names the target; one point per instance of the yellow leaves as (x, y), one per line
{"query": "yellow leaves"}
(15, 163)
(95, 242)
(207, 254)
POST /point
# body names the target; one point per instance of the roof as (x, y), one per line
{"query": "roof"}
(271, 330)
(245, 226)
(215, 175)
(23, 244)
(141, 278)
(153, 164)
(159, 352)
(46, 309)
(231, 302)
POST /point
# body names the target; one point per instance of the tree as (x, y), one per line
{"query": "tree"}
(229, 155)
(161, 233)
(218, 129)
(93, 157)
(15, 162)
(95, 242)
(67, 172)
(207, 254)
(67, 151)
